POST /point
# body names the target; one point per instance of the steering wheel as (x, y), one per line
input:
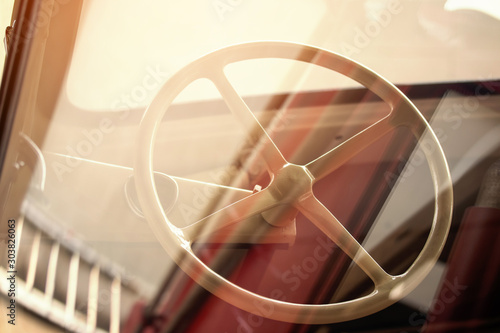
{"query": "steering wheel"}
(291, 185)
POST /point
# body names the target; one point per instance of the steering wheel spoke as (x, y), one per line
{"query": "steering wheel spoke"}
(317, 213)
(258, 136)
(336, 157)
(239, 211)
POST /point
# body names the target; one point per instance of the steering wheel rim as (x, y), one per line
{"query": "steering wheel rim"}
(388, 288)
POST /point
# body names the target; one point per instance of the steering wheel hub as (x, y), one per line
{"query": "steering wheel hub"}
(291, 182)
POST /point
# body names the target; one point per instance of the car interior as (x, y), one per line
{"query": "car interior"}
(250, 166)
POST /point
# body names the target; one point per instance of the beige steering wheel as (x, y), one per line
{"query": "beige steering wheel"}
(291, 185)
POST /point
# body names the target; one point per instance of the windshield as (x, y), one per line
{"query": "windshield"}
(235, 166)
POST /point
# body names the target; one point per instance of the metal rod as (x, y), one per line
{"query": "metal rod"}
(93, 298)
(51, 274)
(35, 250)
(114, 325)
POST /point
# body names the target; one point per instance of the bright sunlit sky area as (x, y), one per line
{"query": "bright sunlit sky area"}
(489, 7)
(405, 41)
(119, 46)
(122, 45)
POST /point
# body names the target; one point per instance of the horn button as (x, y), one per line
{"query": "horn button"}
(288, 186)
